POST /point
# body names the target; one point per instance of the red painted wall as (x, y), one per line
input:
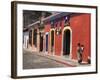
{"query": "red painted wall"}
(58, 39)
(80, 25)
(58, 44)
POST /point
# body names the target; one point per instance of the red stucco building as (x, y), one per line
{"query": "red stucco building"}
(59, 34)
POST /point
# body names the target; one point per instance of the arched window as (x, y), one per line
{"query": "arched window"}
(52, 24)
(67, 21)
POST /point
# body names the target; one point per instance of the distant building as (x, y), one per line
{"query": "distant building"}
(59, 34)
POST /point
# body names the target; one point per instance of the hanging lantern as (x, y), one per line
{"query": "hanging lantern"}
(58, 30)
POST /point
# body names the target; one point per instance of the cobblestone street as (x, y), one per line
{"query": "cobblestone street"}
(31, 60)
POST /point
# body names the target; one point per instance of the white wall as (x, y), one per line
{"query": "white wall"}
(5, 40)
(26, 38)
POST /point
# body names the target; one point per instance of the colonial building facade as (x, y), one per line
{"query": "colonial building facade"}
(59, 34)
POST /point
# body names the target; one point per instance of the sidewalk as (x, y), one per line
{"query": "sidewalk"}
(66, 62)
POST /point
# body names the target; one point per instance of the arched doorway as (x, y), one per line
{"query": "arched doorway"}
(41, 42)
(30, 37)
(52, 41)
(35, 37)
(47, 42)
(66, 42)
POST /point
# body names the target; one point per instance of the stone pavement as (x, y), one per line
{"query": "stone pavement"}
(33, 60)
